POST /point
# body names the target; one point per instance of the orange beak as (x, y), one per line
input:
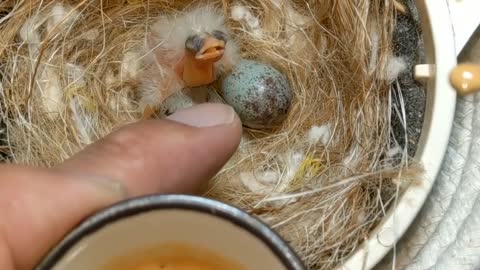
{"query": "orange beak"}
(212, 50)
(201, 55)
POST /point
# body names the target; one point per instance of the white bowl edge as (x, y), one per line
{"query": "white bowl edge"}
(439, 116)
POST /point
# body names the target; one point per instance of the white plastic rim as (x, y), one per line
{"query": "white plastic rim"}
(440, 109)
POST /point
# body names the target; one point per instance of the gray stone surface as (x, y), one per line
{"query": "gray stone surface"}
(408, 44)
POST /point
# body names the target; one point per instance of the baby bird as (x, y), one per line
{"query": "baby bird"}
(185, 51)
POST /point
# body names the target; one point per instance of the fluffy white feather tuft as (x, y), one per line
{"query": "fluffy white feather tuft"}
(392, 152)
(30, 34)
(254, 182)
(294, 22)
(51, 92)
(395, 67)
(239, 12)
(351, 161)
(130, 65)
(266, 183)
(375, 44)
(253, 21)
(61, 17)
(29, 30)
(273, 181)
(120, 101)
(292, 161)
(319, 134)
(258, 33)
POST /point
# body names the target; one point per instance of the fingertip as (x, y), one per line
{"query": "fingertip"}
(174, 155)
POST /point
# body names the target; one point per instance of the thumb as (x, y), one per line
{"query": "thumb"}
(176, 155)
(158, 156)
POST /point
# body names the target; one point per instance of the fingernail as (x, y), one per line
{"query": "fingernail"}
(205, 115)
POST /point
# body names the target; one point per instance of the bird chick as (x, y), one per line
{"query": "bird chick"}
(185, 51)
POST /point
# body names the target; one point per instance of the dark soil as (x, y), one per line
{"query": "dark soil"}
(408, 43)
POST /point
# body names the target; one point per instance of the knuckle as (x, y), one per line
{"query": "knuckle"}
(123, 143)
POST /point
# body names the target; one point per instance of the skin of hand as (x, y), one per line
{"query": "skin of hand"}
(38, 206)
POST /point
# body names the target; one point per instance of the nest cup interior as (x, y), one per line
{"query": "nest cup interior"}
(323, 179)
(168, 229)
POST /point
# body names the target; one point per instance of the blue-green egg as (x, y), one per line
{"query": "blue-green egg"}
(259, 93)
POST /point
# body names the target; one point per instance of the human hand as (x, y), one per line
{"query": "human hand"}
(39, 206)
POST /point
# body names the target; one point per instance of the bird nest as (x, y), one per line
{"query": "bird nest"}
(323, 180)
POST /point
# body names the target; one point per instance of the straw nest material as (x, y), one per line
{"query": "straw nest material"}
(323, 180)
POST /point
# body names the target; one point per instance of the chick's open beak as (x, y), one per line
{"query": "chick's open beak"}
(201, 54)
(212, 49)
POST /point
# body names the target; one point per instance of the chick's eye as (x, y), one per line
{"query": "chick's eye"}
(194, 43)
(220, 35)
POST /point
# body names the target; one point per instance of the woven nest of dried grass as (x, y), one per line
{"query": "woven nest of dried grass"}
(323, 179)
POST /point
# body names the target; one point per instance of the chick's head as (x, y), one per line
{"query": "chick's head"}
(200, 31)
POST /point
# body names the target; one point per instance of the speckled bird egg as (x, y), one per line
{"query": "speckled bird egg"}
(259, 93)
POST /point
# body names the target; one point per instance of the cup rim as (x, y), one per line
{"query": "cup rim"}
(141, 205)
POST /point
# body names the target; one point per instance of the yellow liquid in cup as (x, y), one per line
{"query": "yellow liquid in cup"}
(172, 257)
